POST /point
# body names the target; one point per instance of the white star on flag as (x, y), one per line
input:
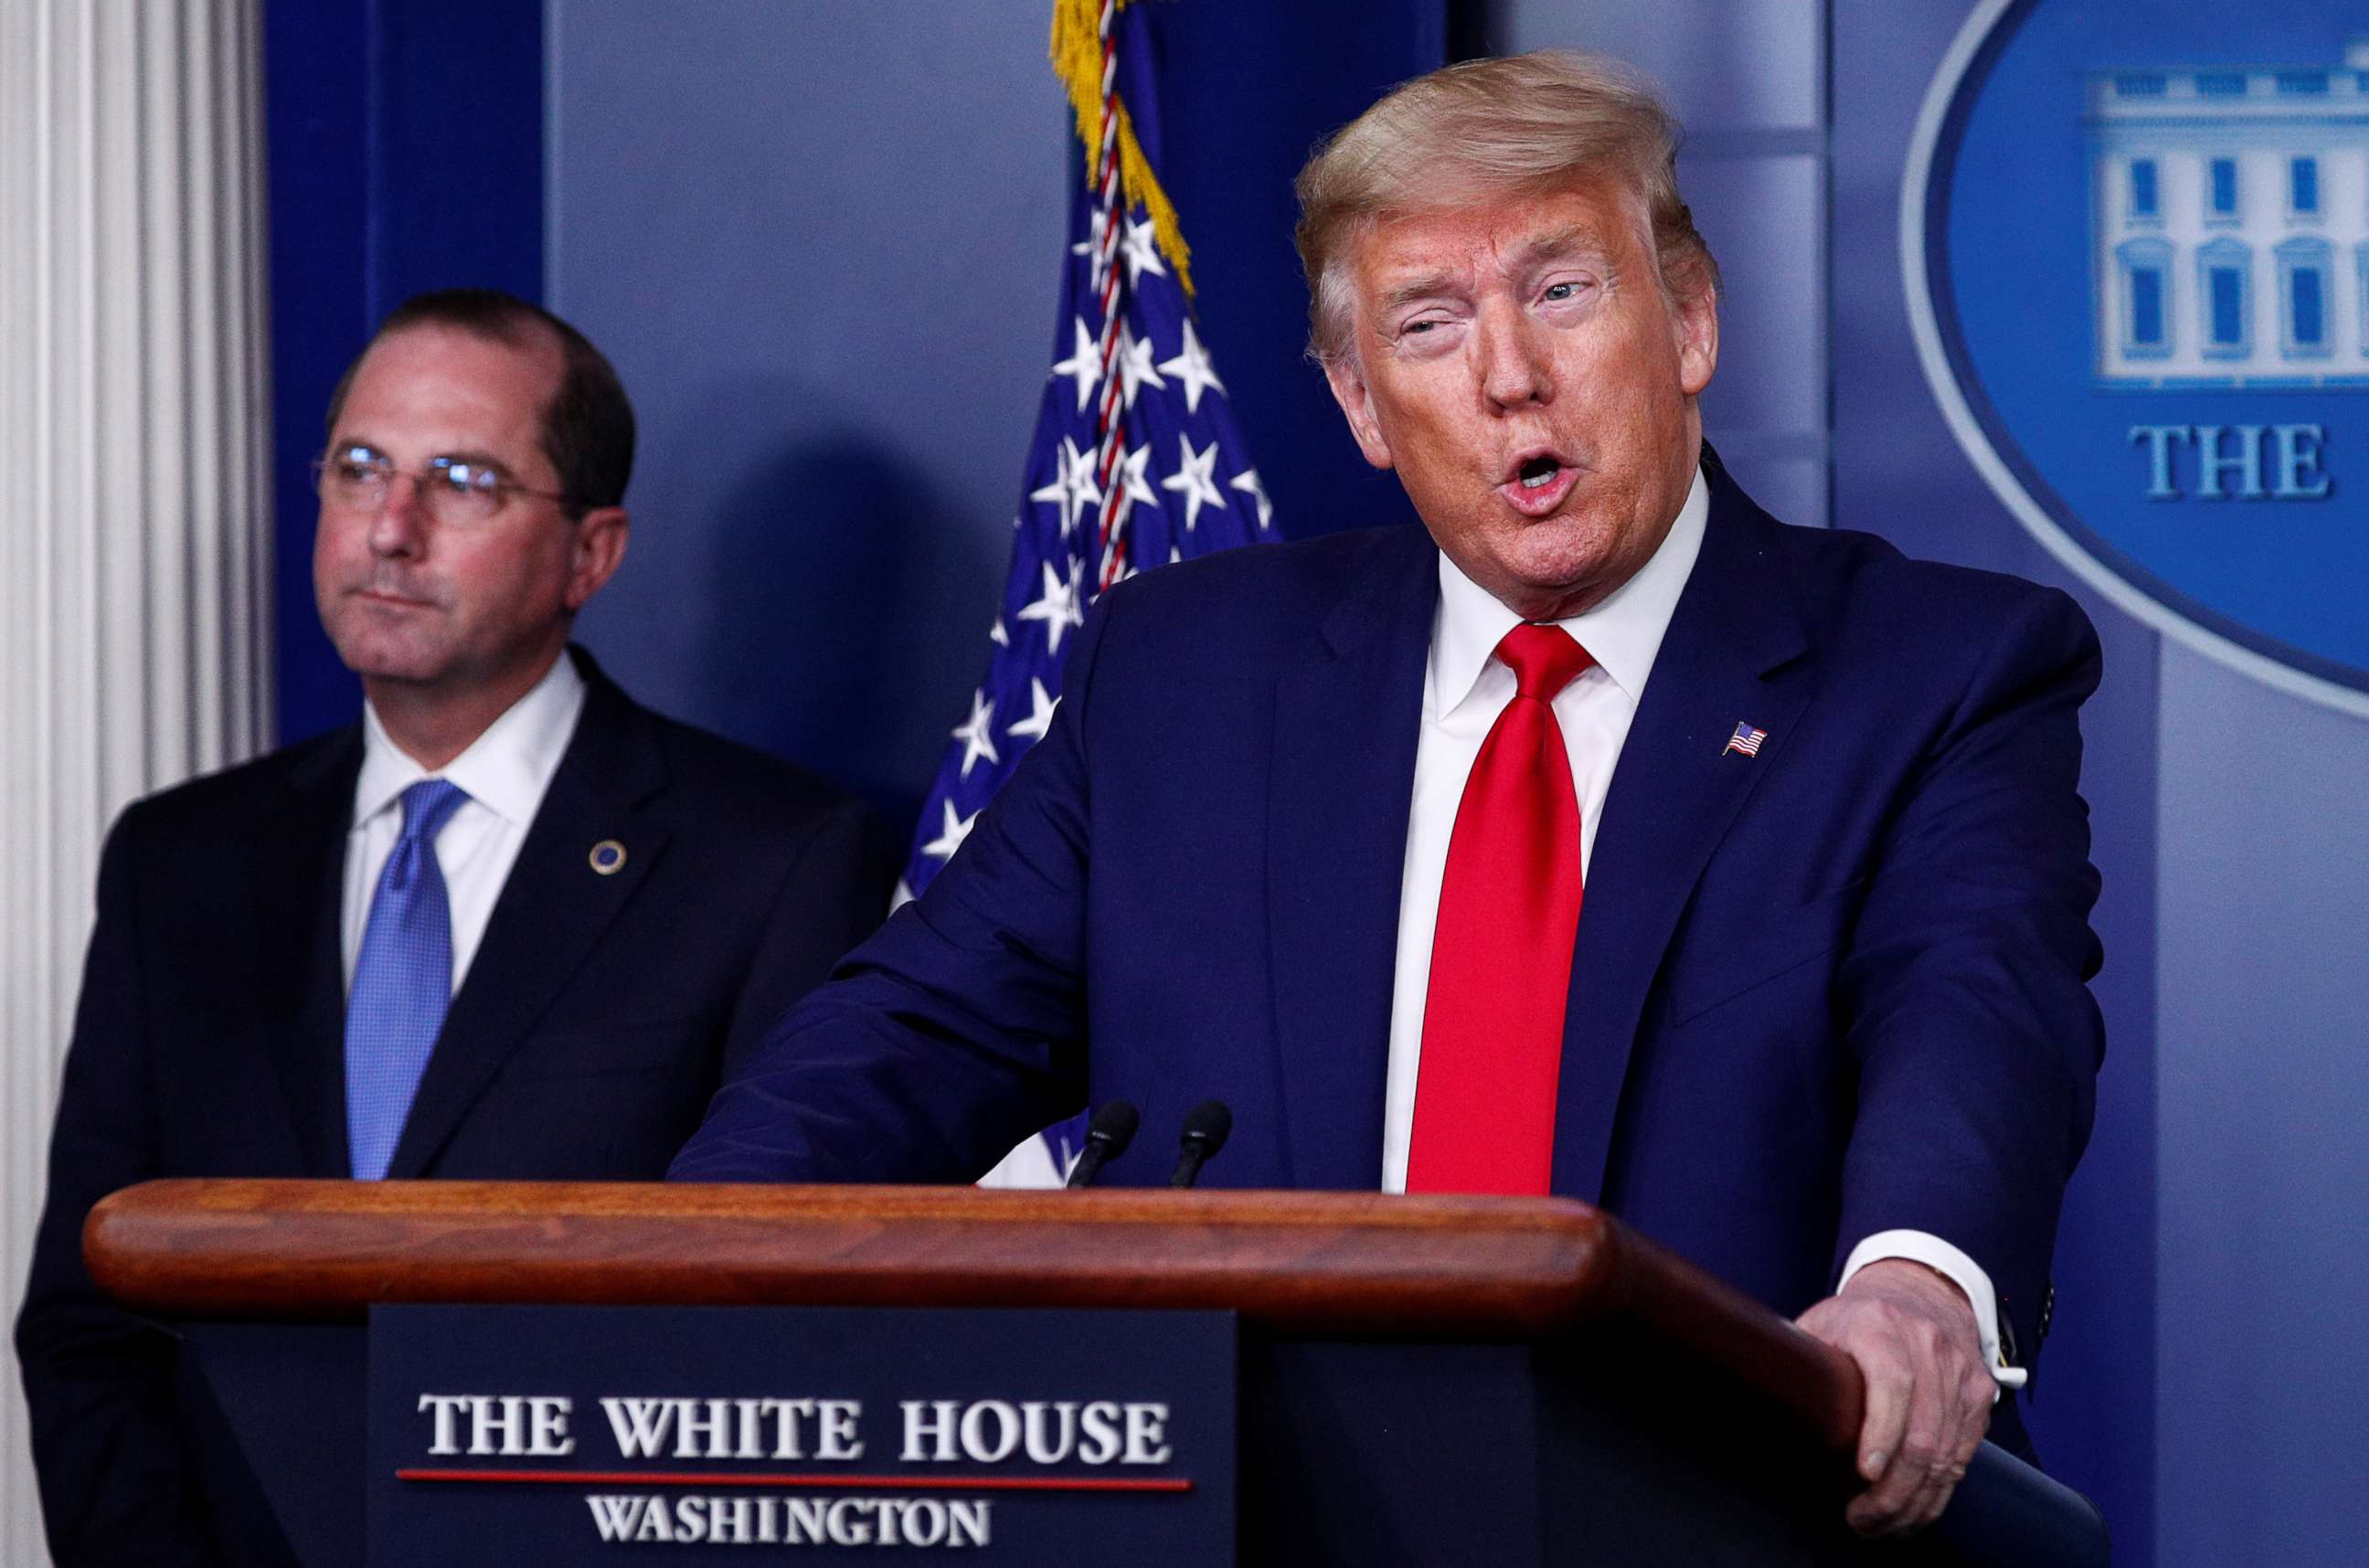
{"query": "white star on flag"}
(1248, 482)
(1073, 487)
(1192, 367)
(1141, 251)
(1084, 364)
(951, 836)
(1135, 364)
(1057, 606)
(1040, 712)
(1092, 249)
(977, 737)
(1193, 476)
(1135, 481)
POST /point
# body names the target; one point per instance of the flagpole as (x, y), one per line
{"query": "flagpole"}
(1111, 421)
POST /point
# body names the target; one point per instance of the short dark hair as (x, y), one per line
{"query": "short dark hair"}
(587, 429)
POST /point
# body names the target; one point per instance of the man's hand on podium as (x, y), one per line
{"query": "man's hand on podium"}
(1929, 1397)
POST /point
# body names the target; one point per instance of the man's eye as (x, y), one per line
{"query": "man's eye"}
(469, 479)
(1561, 291)
(354, 471)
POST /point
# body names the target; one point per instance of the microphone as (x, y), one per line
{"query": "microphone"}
(1107, 1136)
(1204, 1133)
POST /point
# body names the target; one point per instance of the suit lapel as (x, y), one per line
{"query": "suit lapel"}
(552, 910)
(304, 1027)
(1348, 716)
(1732, 654)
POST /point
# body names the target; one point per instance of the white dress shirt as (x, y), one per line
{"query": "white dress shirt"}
(505, 773)
(1464, 690)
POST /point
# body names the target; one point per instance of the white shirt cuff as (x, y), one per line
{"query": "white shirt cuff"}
(1920, 1246)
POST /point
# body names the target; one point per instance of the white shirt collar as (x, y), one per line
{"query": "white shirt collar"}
(505, 770)
(1623, 632)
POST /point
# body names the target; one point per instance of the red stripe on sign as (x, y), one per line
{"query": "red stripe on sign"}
(888, 1482)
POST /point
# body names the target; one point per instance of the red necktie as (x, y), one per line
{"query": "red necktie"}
(1484, 1101)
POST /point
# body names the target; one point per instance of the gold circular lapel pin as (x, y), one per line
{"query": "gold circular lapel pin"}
(608, 857)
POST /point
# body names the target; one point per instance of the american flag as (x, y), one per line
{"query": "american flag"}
(1136, 461)
(1745, 740)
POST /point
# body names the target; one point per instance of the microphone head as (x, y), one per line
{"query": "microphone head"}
(1115, 1126)
(1207, 1125)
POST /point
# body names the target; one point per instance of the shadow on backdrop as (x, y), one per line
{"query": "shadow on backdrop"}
(837, 627)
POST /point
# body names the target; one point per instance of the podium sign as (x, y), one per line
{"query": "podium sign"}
(607, 1435)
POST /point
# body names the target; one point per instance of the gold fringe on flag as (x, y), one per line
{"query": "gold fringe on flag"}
(1076, 53)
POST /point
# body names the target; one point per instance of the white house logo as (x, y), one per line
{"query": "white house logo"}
(2137, 262)
(2232, 225)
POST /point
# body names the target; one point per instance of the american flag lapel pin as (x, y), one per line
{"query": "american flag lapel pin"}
(1746, 740)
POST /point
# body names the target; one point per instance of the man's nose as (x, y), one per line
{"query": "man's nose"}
(1515, 368)
(401, 526)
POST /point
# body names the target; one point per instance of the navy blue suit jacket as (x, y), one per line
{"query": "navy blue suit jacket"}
(594, 1025)
(1832, 989)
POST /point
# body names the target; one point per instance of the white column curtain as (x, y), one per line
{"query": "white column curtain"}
(134, 501)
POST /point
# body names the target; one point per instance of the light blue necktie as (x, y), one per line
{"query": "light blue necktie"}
(403, 981)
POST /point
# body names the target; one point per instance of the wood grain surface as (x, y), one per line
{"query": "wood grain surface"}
(1341, 1265)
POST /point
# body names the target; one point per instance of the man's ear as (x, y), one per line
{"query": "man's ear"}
(1349, 390)
(1694, 322)
(601, 537)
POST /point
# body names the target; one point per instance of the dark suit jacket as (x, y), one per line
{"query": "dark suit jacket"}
(590, 1033)
(1832, 989)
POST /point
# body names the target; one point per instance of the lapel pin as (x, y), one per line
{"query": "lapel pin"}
(1747, 741)
(608, 857)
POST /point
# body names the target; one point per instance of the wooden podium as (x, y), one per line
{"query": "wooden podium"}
(1424, 1380)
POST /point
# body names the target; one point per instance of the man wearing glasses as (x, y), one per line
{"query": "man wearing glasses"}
(509, 925)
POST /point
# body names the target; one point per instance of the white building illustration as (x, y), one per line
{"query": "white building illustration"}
(2231, 210)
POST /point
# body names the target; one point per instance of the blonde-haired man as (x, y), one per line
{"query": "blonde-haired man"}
(1604, 838)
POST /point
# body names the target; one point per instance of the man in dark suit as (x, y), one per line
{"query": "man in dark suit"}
(1612, 840)
(511, 924)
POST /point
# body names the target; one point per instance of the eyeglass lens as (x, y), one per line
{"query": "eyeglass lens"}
(453, 489)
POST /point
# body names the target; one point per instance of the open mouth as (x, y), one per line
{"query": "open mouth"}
(1539, 484)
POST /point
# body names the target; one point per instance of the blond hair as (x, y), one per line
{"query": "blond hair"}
(1487, 128)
